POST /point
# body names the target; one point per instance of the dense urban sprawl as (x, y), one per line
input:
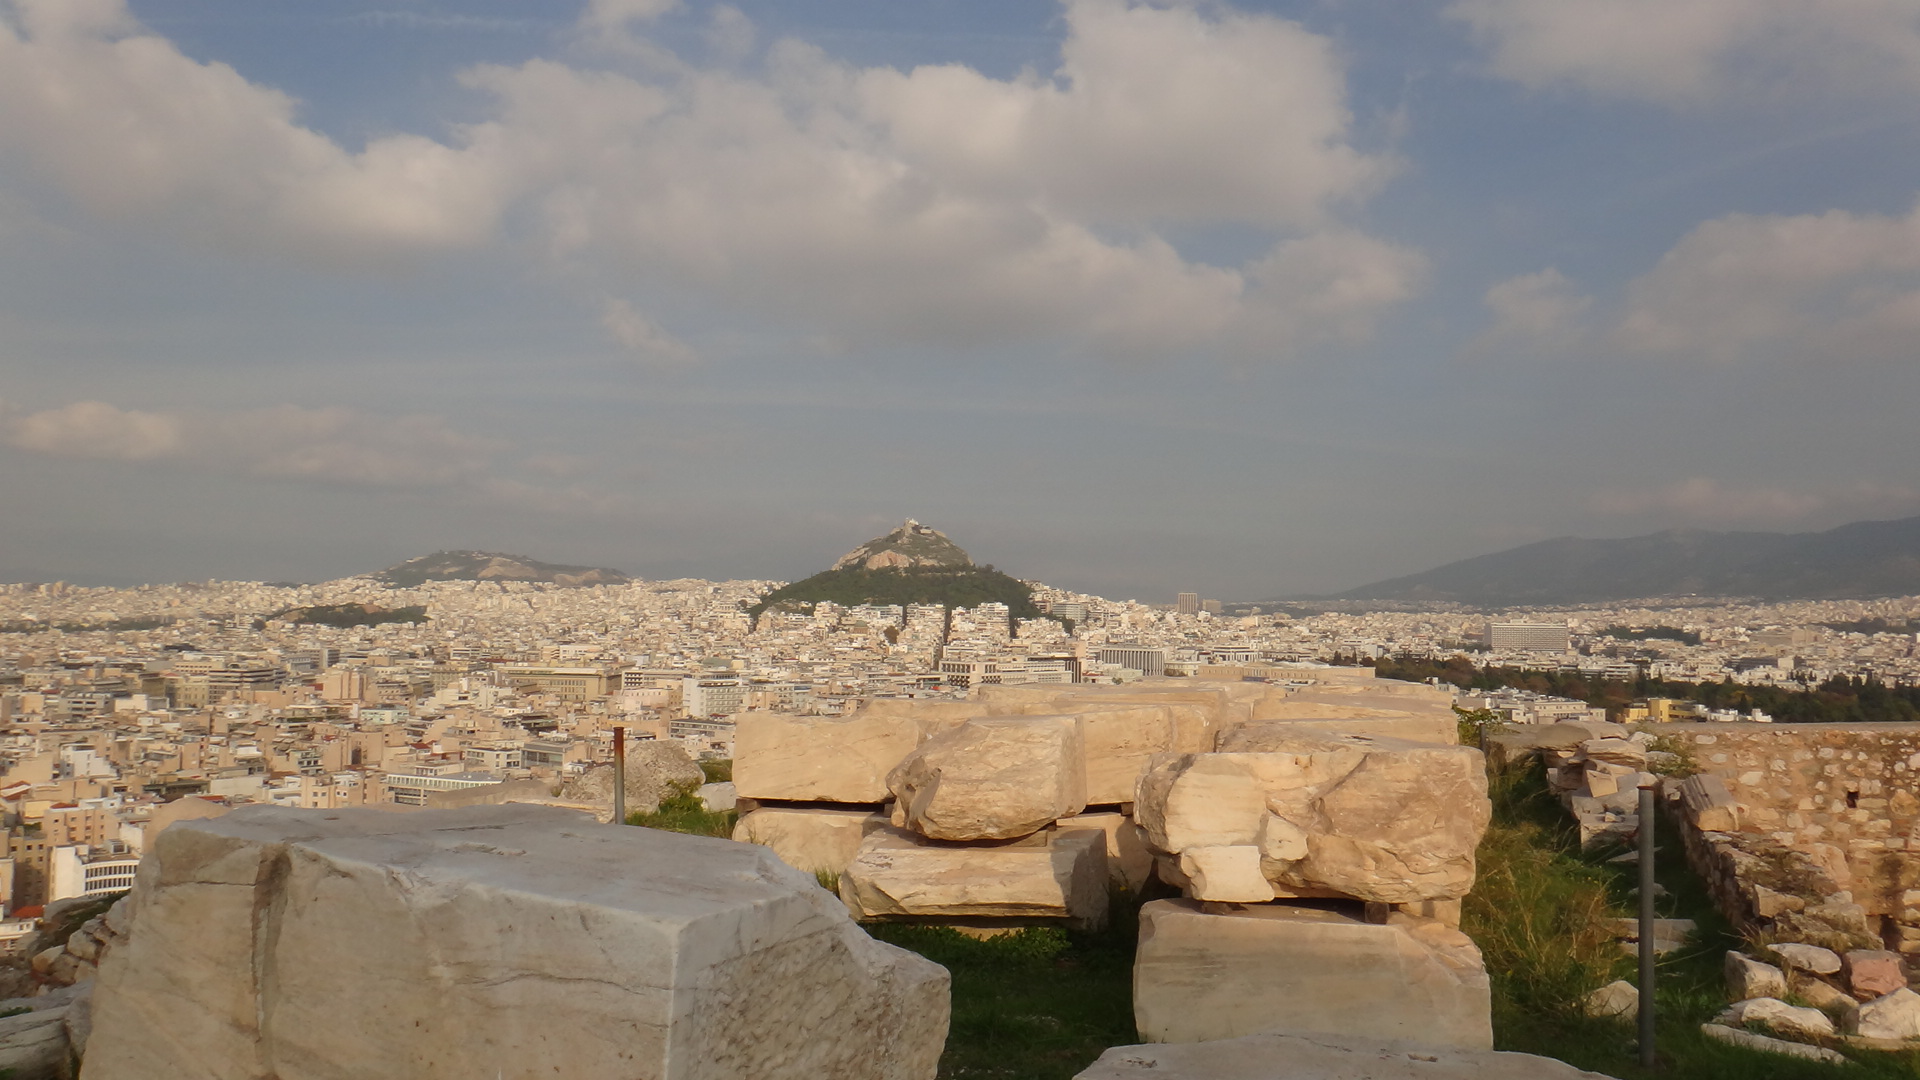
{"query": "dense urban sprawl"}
(124, 709)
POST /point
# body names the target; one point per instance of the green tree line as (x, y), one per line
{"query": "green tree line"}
(1839, 700)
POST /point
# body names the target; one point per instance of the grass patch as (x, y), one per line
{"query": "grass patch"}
(1534, 912)
(717, 770)
(1037, 1004)
(682, 812)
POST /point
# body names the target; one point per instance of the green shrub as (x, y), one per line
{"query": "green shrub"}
(682, 812)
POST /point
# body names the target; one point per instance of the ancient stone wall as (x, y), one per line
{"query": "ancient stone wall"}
(1804, 813)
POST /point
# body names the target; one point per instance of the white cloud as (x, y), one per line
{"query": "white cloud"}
(1681, 51)
(1836, 284)
(1704, 500)
(1539, 312)
(127, 126)
(608, 14)
(1156, 114)
(650, 344)
(942, 206)
(328, 445)
(95, 429)
(935, 206)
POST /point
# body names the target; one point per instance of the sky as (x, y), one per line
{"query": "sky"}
(1250, 299)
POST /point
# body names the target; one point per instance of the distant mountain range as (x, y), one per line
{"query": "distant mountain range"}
(493, 566)
(1861, 560)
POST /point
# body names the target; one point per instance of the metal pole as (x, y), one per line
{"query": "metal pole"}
(620, 776)
(1646, 926)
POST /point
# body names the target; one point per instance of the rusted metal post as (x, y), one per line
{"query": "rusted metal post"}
(1646, 926)
(619, 775)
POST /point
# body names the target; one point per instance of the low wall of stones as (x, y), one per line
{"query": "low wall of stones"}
(1808, 824)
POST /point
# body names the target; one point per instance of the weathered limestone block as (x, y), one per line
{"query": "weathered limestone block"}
(1806, 958)
(1303, 970)
(1753, 1041)
(655, 771)
(1389, 716)
(34, 1046)
(1749, 978)
(1119, 742)
(1617, 998)
(1058, 874)
(1522, 740)
(1781, 1018)
(1891, 1016)
(79, 1019)
(932, 716)
(842, 759)
(1129, 859)
(1668, 934)
(38, 1040)
(1708, 803)
(1313, 1057)
(672, 956)
(1445, 912)
(1196, 713)
(1227, 872)
(1616, 751)
(1824, 996)
(1768, 903)
(1377, 819)
(1873, 972)
(807, 838)
(997, 700)
(993, 778)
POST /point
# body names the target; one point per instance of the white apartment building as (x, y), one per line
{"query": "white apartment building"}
(90, 870)
(705, 697)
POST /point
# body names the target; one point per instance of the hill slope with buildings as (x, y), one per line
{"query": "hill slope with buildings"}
(493, 566)
(1859, 560)
(910, 565)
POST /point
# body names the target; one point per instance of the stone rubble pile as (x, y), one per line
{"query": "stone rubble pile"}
(656, 770)
(498, 941)
(1860, 995)
(1306, 850)
(979, 812)
(1597, 770)
(1322, 834)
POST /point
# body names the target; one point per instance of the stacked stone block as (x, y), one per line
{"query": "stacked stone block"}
(1007, 806)
(1323, 871)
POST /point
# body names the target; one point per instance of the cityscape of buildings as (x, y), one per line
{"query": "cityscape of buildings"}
(124, 709)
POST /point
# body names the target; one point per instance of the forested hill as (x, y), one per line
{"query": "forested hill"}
(910, 565)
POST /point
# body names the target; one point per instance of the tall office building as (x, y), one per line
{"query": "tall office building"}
(1188, 603)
